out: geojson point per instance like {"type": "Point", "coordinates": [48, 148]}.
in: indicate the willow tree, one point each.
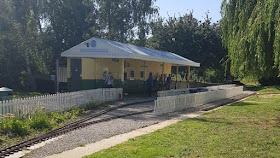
{"type": "Point", "coordinates": [251, 32]}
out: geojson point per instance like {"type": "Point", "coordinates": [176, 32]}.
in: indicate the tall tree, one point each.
{"type": "Point", "coordinates": [11, 61]}
{"type": "Point", "coordinates": [190, 38]}
{"type": "Point", "coordinates": [120, 18]}
{"type": "Point", "coordinates": [251, 32]}
{"type": "Point", "coordinates": [33, 33]}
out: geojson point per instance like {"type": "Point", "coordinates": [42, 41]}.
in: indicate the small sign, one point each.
{"type": "Point", "coordinates": [93, 43]}
{"type": "Point", "coordinates": [115, 60]}
{"type": "Point", "coordinates": [53, 77]}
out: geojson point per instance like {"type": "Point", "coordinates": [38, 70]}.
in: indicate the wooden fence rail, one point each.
{"type": "Point", "coordinates": [180, 102]}
{"type": "Point", "coordinates": [174, 92]}
{"type": "Point", "coordinates": [60, 101]}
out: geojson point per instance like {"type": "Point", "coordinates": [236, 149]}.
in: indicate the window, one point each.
{"type": "Point", "coordinates": [132, 74]}
{"type": "Point", "coordinates": [125, 76]}
{"type": "Point", "coordinates": [142, 75]}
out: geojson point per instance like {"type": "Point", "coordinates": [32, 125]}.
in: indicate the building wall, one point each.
{"type": "Point", "coordinates": [138, 83]}
{"type": "Point", "coordinates": [147, 67]}
{"type": "Point", "coordinates": [94, 72]}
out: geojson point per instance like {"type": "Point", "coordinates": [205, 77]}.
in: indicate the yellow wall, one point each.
{"type": "Point", "coordinates": [149, 66]}
{"type": "Point", "coordinates": [114, 67]}
{"type": "Point", "coordinates": [88, 68]}
{"type": "Point", "coordinates": [93, 68]}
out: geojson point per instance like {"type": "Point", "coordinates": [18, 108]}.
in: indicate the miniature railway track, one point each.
{"type": "Point", "coordinates": [71, 127]}
{"type": "Point", "coordinates": [216, 104]}
{"type": "Point", "coordinates": [86, 122]}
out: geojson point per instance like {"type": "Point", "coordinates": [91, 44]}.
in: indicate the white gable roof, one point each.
{"type": "Point", "coordinates": [100, 48]}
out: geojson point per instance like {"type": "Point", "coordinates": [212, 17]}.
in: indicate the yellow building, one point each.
{"type": "Point", "coordinates": [89, 63]}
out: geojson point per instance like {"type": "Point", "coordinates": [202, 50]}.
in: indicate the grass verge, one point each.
{"type": "Point", "coordinates": [246, 129]}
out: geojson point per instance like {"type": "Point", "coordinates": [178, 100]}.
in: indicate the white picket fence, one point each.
{"type": "Point", "coordinates": [180, 102]}
{"type": "Point", "coordinates": [60, 101]}
{"type": "Point", "coordinates": [173, 92]}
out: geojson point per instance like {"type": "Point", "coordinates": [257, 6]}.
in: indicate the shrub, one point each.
{"type": "Point", "coordinates": [6, 125]}
{"type": "Point", "coordinates": [20, 128]}
{"type": "Point", "coordinates": [40, 121]}
{"type": "Point", "coordinates": [75, 111]}
{"type": "Point", "coordinates": [58, 117]}
{"type": "Point", "coordinates": [91, 105]}
{"type": "Point", "coordinates": [68, 115]}
{"type": "Point", "coordinates": [11, 126]}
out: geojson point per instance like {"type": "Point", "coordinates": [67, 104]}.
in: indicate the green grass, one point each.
{"type": "Point", "coordinates": [267, 89]}
{"type": "Point", "coordinates": [250, 128]}
{"type": "Point", "coordinates": [18, 95]}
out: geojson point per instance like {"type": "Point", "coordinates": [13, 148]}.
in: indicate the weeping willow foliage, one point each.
{"type": "Point", "coordinates": [251, 32]}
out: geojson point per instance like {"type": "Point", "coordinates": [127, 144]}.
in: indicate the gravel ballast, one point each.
{"type": "Point", "coordinates": [100, 131]}
{"type": "Point", "coordinates": [103, 130]}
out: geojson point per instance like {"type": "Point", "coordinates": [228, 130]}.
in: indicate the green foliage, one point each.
{"type": "Point", "coordinates": [18, 94]}
{"type": "Point", "coordinates": [40, 121]}
{"type": "Point", "coordinates": [33, 33]}
{"type": "Point", "coordinates": [20, 127]}
{"type": "Point", "coordinates": [213, 76]}
{"type": "Point", "coordinates": [249, 128]}
{"type": "Point", "coordinates": [58, 117]}
{"type": "Point", "coordinates": [193, 39]}
{"type": "Point", "coordinates": [9, 125]}
{"type": "Point", "coordinates": [91, 105]}
{"type": "Point", "coordinates": [6, 124]}
{"type": "Point", "coordinates": [251, 33]}
{"type": "Point", "coordinates": [119, 19]}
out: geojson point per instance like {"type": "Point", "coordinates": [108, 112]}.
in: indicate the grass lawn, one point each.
{"type": "Point", "coordinates": [250, 128]}
{"type": "Point", "coordinates": [18, 95]}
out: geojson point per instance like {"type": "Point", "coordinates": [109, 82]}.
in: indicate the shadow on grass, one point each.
{"type": "Point", "coordinates": [264, 89]}
{"type": "Point", "coordinates": [243, 104]}
{"type": "Point", "coordinates": [213, 120]}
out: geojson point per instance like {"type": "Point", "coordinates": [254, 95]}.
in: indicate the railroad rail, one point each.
{"type": "Point", "coordinates": [70, 127]}
{"type": "Point", "coordinates": [216, 104]}
{"type": "Point", "coordinates": [86, 122]}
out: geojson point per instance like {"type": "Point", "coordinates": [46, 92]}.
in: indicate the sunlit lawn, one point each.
{"type": "Point", "coordinates": [246, 129]}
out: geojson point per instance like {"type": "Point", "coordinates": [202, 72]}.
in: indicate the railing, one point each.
{"type": "Point", "coordinates": [173, 92]}
{"type": "Point", "coordinates": [60, 101]}
{"type": "Point", "coordinates": [180, 102]}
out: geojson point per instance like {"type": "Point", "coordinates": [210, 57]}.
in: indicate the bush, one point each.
{"type": "Point", "coordinates": [20, 128]}
{"type": "Point", "coordinates": [58, 117]}
{"type": "Point", "coordinates": [11, 126]}
{"type": "Point", "coordinates": [40, 121]}
{"type": "Point", "coordinates": [91, 105]}
{"type": "Point", "coordinates": [68, 115]}
{"type": "Point", "coordinates": [6, 125]}
{"type": "Point", "coordinates": [269, 81]}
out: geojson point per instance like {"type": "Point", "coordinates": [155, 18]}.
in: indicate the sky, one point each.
{"type": "Point", "coordinates": [199, 8]}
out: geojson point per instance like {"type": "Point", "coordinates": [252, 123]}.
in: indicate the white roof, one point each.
{"type": "Point", "coordinates": [100, 48]}
{"type": "Point", "coordinates": [5, 89]}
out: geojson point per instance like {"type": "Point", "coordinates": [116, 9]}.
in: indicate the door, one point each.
{"type": "Point", "coordinates": [76, 69]}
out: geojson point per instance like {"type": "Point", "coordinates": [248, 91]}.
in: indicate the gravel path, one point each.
{"type": "Point", "coordinates": [101, 131]}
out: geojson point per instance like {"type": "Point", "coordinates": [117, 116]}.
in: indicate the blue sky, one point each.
{"type": "Point", "coordinates": [199, 7]}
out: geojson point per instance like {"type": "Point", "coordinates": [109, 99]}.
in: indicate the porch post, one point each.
{"type": "Point", "coordinates": [189, 73]}
{"type": "Point", "coordinates": [176, 76]}
{"type": "Point", "coordinates": [57, 75]}
{"type": "Point", "coordinates": [145, 71]}
{"type": "Point", "coordinates": [122, 70]}
{"type": "Point", "coordinates": [162, 84]}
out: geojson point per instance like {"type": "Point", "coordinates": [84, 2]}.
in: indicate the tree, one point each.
{"type": "Point", "coordinates": [120, 18]}
{"type": "Point", "coordinates": [190, 38]}
{"type": "Point", "coordinates": [251, 32]}
{"type": "Point", "coordinates": [33, 33]}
